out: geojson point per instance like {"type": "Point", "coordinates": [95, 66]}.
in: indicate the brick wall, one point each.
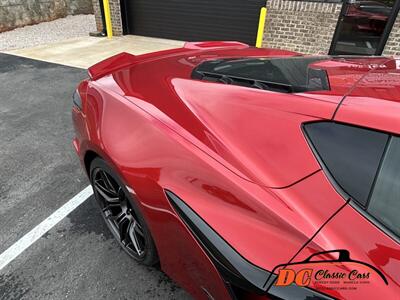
{"type": "Point", "coordinates": [306, 27]}
{"type": "Point", "coordinates": [393, 43]}
{"type": "Point", "coordinates": [97, 15]}
{"type": "Point", "coordinates": [115, 11]}
{"type": "Point", "coordinates": [116, 19]}
{"type": "Point", "coordinates": [18, 13]}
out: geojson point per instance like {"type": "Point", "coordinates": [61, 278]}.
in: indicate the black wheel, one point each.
{"type": "Point", "coordinates": [121, 213]}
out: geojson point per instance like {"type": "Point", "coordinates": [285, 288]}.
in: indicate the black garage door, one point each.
{"type": "Point", "coordinates": [193, 20]}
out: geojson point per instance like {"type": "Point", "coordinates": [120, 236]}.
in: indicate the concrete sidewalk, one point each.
{"type": "Point", "coordinates": [85, 51]}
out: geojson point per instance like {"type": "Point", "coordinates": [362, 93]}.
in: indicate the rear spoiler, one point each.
{"type": "Point", "coordinates": [123, 60]}
{"type": "Point", "coordinates": [110, 65]}
{"type": "Point", "coordinates": [214, 44]}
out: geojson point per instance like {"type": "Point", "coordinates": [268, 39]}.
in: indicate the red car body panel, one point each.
{"type": "Point", "coordinates": [374, 102]}
{"type": "Point", "coordinates": [224, 150]}
{"type": "Point", "coordinates": [376, 249]}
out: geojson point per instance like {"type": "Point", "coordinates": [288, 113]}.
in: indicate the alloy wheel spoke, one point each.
{"type": "Point", "coordinates": [107, 182]}
{"type": "Point", "coordinates": [104, 194]}
{"type": "Point", "coordinates": [111, 205]}
{"type": "Point", "coordinates": [121, 217]}
{"type": "Point", "coordinates": [124, 224]}
{"type": "Point", "coordinates": [138, 229]}
{"type": "Point", "coordinates": [134, 236]}
{"type": "Point", "coordinates": [99, 183]}
{"type": "Point", "coordinates": [121, 195]}
{"type": "Point", "coordinates": [105, 185]}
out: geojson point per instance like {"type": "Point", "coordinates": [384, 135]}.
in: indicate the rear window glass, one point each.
{"type": "Point", "coordinates": [351, 154]}
{"type": "Point", "coordinates": [289, 74]}
{"type": "Point", "coordinates": [384, 204]}
{"type": "Point", "coordinates": [365, 164]}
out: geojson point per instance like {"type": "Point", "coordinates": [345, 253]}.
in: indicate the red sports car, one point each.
{"type": "Point", "coordinates": [231, 165]}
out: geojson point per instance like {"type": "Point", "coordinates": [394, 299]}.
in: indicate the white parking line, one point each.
{"type": "Point", "coordinates": [32, 236]}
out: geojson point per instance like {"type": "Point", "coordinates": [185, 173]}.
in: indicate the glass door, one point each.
{"type": "Point", "coordinates": [364, 27]}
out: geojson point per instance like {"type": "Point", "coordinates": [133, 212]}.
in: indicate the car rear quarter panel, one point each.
{"type": "Point", "coordinates": [146, 152]}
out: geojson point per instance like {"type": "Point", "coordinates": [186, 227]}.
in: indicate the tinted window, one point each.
{"type": "Point", "coordinates": [385, 199]}
{"type": "Point", "coordinates": [351, 154]}
{"type": "Point", "coordinates": [290, 74]}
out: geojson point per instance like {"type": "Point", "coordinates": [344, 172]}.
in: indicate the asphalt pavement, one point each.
{"type": "Point", "coordinates": [39, 172]}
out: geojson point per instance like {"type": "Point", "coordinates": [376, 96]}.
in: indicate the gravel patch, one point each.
{"type": "Point", "coordinates": [47, 32]}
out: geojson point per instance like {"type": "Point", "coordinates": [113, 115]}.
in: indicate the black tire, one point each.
{"type": "Point", "coordinates": [121, 213]}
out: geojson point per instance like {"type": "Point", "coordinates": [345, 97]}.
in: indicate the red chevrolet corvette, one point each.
{"type": "Point", "coordinates": [249, 173]}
